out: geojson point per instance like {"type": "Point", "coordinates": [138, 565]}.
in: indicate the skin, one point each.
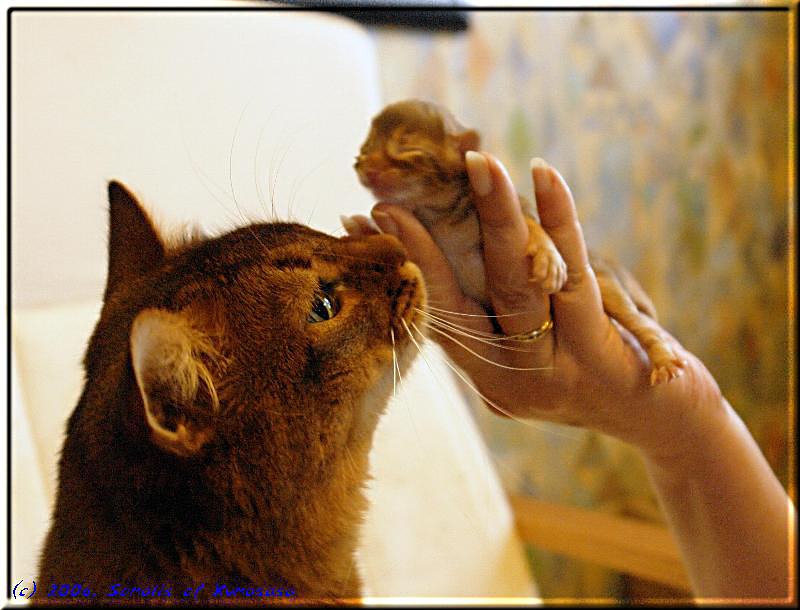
{"type": "Point", "coordinates": [729, 514]}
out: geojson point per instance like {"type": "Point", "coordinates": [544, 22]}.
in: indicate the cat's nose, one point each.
{"type": "Point", "coordinates": [409, 298]}
{"type": "Point", "coordinates": [389, 248]}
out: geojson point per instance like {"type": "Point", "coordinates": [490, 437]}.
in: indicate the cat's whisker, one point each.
{"type": "Point", "coordinates": [445, 318]}
{"type": "Point", "coordinates": [463, 330]}
{"type": "Point", "coordinates": [472, 332]}
{"type": "Point", "coordinates": [399, 375]}
{"type": "Point", "coordinates": [469, 324]}
{"type": "Point", "coordinates": [313, 209]}
{"type": "Point", "coordinates": [431, 301]}
{"type": "Point", "coordinates": [438, 324]}
{"type": "Point", "coordinates": [452, 323]}
{"type": "Point", "coordinates": [259, 193]}
{"type": "Point", "coordinates": [299, 183]}
{"type": "Point", "coordinates": [478, 315]}
{"type": "Point", "coordinates": [206, 180]}
{"type": "Point", "coordinates": [394, 364]}
{"type": "Point", "coordinates": [526, 422]}
{"type": "Point", "coordinates": [271, 183]}
{"type": "Point", "coordinates": [239, 210]}
{"type": "Point", "coordinates": [274, 175]}
{"type": "Point", "coordinates": [488, 338]}
{"type": "Point", "coordinates": [438, 382]}
{"type": "Point", "coordinates": [487, 360]}
{"type": "Point", "coordinates": [290, 141]}
{"type": "Point", "coordinates": [486, 458]}
{"type": "Point", "coordinates": [252, 232]}
{"type": "Point", "coordinates": [411, 336]}
{"type": "Point", "coordinates": [230, 161]}
{"type": "Point", "coordinates": [273, 216]}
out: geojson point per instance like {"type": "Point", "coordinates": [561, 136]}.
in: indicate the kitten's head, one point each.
{"type": "Point", "coordinates": [259, 360]}
{"type": "Point", "coordinates": [414, 155]}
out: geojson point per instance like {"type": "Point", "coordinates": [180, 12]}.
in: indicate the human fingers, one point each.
{"type": "Point", "coordinates": [578, 307]}
{"type": "Point", "coordinates": [505, 233]}
{"type": "Point", "coordinates": [441, 284]}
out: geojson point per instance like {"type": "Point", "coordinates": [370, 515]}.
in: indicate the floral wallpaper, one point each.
{"type": "Point", "coordinates": [671, 129]}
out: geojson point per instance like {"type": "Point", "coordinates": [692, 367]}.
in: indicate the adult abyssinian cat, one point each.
{"type": "Point", "coordinates": [414, 156]}
{"type": "Point", "coordinates": [232, 388]}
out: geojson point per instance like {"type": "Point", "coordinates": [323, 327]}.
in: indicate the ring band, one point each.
{"type": "Point", "coordinates": [535, 334]}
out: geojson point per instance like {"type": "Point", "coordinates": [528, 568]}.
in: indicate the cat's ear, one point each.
{"type": "Point", "coordinates": [134, 245]}
{"type": "Point", "coordinates": [169, 357]}
{"type": "Point", "coordinates": [469, 139]}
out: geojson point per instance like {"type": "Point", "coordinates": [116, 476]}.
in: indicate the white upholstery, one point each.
{"type": "Point", "coordinates": [186, 108]}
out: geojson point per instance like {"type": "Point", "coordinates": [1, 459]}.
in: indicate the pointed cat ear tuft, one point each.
{"type": "Point", "coordinates": [176, 387]}
{"type": "Point", "coordinates": [468, 140]}
{"type": "Point", "coordinates": [134, 245]}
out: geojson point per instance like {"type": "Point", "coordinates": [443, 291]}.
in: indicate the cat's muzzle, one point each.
{"type": "Point", "coordinates": [409, 299]}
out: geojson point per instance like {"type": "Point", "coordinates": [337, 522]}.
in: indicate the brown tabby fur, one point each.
{"type": "Point", "coordinates": [220, 436]}
{"type": "Point", "coordinates": [414, 157]}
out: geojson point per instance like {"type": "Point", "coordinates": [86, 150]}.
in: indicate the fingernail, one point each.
{"type": "Point", "coordinates": [385, 222]}
{"type": "Point", "coordinates": [349, 225]}
{"type": "Point", "coordinates": [542, 184]}
{"type": "Point", "coordinates": [478, 171]}
{"type": "Point", "coordinates": [362, 221]}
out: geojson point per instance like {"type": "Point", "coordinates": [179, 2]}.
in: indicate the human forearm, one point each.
{"type": "Point", "coordinates": [730, 516]}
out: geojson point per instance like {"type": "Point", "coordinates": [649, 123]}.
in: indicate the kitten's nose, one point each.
{"type": "Point", "coordinates": [373, 176]}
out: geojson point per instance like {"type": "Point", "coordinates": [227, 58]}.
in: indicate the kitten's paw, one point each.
{"type": "Point", "coordinates": [548, 269]}
{"type": "Point", "coordinates": [667, 365]}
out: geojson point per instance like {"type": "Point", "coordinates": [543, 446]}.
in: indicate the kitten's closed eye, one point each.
{"type": "Point", "coordinates": [405, 149]}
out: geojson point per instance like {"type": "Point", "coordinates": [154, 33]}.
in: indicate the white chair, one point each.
{"type": "Point", "coordinates": [190, 109]}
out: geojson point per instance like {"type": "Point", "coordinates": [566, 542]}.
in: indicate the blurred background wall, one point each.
{"type": "Point", "coordinates": [671, 129]}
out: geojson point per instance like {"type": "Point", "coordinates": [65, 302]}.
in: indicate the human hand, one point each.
{"type": "Point", "coordinates": [588, 371]}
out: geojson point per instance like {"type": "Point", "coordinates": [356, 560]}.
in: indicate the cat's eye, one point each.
{"type": "Point", "coordinates": [324, 307]}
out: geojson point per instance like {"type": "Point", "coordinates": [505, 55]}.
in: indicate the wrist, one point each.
{"type": "Point", "coordinates": [693, 439]}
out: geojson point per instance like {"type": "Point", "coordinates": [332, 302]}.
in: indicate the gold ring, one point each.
{"type": "Point", "coordinates": [535, 334]}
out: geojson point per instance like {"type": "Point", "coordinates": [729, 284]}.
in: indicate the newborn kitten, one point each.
{"type": "Point", "coordinates": [233, 386]}
{"type": "Point", "coordinates": [414, 157]}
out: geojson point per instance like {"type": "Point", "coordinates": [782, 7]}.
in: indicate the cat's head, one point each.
{"type": "Point", "coordinates": [414, 154]}
{"type": "Point", "coordinates": [263, 355]}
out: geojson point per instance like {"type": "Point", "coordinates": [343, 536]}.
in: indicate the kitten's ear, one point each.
{"type": "Point", "coordinates": [134, 245]}
{"type": "Point", "coordinates": [169, 358]}
{"type": "Point", "coordinates": [468, 139]}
